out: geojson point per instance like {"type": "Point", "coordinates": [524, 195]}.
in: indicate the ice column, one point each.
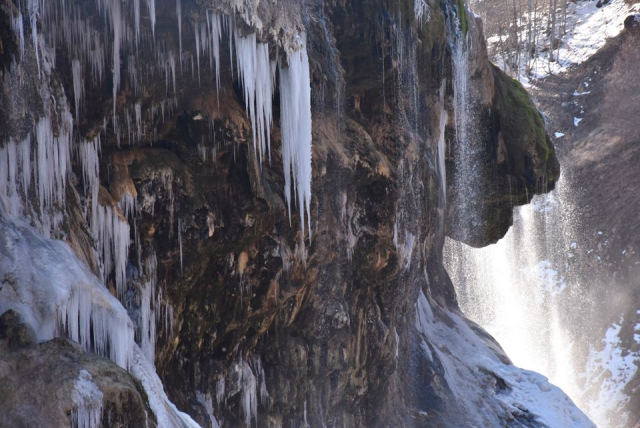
{"type": "Point", "coordinates": [295, 112]}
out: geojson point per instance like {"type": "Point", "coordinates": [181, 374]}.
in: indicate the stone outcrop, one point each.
{"type": "Point", "coordinates": [513, 159]}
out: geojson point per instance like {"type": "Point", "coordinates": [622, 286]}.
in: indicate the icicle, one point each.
{"type": "Point", "coordinates": [295, 117]}
{"type": "Point", "coordinates": [128, 204]}
{"type": "Point", "coordinates": [197, 34]}
{"type": "Point", "coordinates": [78, 86]}
{"type": "Point", "coordinates": [52, 163]}
{"type": "Point", "coordinates": [33, 15]}
{"type": "Point", "coordinates": [109, 228]}
{"type": "Point", "coordinates": [152, 16]}
{"type": "Point", "coordinates": [229, 20]}
{"type": "Point", "coordinates": [264, 394]}
{"type": "Point", "coordinates": [220, 388]}
{"type": "Point", "coordinates": [216, 33]}
{"type": "Point", "coordinates": [249, 393]}
{"type": "Point", "coordinates": [136, 17]}
{"type": "Point", "coordinates": [88, 151]}
{"type": "Point", "coordinates": [138, 110]}
{"type": "Point", "coordinates": [87, 402]}
{"type": "Point", "coordinates": [17, 25]}
{"type": "Point", "coordinates": [179, 15]}
{"type": "Point", "coordinates": [180, 240]}
{"type": "Point", "coordinates": [9, 178]}
{"type": "Point", "coordinates": [133, 72]}
{"type": "Point", "coordinates": [25, 156]}
{"type": "Point", "coordinates": [112, 233]}
{"type": "Point", "coordinates": [148, 315]}
{"type": "Point", "coordinates": [116, 22]}
{"type": "Point", "coordinates": [444, 117]}
{"type": "Point", "coordinates": [254, 70]}
{"type": "Point", "coordinates": [172, 67]}
{"type": "Point", "coordinates": [53, 160]}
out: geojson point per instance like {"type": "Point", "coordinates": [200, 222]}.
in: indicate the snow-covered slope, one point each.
{"type": "Point", "coordinates": [480, 380]}
{"type": "Point", "coordinates": [588, 27]}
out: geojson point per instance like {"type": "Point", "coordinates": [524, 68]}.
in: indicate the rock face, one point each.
{"type": "Point", "coordinates": [39, 383]}
{"type": "Point", "coordinates": [259, 321]}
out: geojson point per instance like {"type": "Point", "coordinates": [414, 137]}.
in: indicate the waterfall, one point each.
{"type": "Point", "coordinates": [531, 291]}
{"type": "Point", "coordinates": [528, 292]}
{"type": "Point", "coordinates": [516, 289]}
{"type": "Point", "coordinates": [467, 169]}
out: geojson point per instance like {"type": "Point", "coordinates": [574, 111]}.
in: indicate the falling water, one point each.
{"type": "Point", "coordinates": [466, 150]}
{"type": "Point", "coordinates": [531, 293]}
{"type": "Point", "coordinates": [529, 290]}
{"type": "Point", "coordinates": [515, 289]}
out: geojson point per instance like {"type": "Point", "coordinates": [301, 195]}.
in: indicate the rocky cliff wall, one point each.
{"type": "Point", "coordinates": [252, 313]}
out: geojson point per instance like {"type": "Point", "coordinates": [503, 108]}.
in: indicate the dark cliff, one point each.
{"type": "Point", "coordinates": [332, 328]}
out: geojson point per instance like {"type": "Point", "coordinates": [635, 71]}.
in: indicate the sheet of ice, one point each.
{"type": "Point", "coordinates": [58, 295]}
{"type": "Point", "coordinates": [471, 367]}
{"type": "Point", "coordinates": [206, 402]}
{"type": "Point", "coordinates": [166, 412]}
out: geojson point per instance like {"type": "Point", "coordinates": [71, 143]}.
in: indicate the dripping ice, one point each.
{"type": "Point", "coordinates": [295, 123]}
{"type": "Point", "coordinates": [87, 402]}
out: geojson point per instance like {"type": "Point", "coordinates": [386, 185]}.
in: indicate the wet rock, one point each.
{"type": "Point", "coordinates": [14, 331]}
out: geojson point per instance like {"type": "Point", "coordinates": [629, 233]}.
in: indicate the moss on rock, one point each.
{"type": "Point", "coordinates": [522, 129]}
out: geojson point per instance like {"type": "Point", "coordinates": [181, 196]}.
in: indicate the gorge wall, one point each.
{"type": "Point", "coordinates": [263, 191]}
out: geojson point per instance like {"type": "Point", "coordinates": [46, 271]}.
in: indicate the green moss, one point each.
{"type": "Point", "coordinates": [523, 117]}
{"type": "Point", "coordinates": [462, 17]}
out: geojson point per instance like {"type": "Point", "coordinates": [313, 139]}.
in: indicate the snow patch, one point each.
{"type": "Point", "coordinates": [607, 373]}
{"type": "Point", "coordinates": [470, 367]}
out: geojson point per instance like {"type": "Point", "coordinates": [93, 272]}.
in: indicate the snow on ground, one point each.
{"type": "Point", "coordinates": [588, 29]}
{"type": "Point", "coordinates": [472, 370]}
{"type": "Point", "coordinates": [607, 373]}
